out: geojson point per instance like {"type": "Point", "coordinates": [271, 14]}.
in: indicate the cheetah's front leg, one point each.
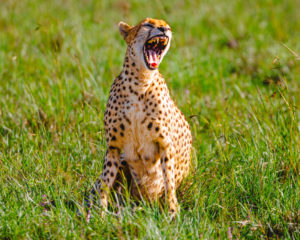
{"type": "Point", "coordinates": [168, 164]}
{"type": "Point", "coordinates": [108, 176]}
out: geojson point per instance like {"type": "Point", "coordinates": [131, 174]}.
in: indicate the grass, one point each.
{"type": "Point", "coordinates": [228, 71]}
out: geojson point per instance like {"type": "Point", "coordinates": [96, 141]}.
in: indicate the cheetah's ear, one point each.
{"type": "Point", "coordinates": [124, 29]}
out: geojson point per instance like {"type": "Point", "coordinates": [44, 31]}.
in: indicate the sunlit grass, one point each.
{"type": "Point", "coordinates": [232, 69]}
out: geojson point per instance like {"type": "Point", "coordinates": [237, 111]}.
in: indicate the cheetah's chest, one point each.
{"type": "Point", "coordinates": [140, 151]}
{"type": "Point", "coordinates": [138, 144]}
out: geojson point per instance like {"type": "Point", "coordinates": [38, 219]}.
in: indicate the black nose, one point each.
{"type": "Point", "coordinates": [163, 29]}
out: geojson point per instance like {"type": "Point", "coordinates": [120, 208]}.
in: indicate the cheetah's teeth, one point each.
{"type": "Point", "coordinates": [153, 50]}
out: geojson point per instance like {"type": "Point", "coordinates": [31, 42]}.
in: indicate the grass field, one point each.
{"type": "Point", "coordinates": [232, 69]}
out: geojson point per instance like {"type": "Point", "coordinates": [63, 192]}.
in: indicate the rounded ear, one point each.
{"type": "Point", "coordinates": [124, 28]}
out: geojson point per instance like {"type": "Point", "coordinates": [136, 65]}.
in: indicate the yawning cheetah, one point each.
{"type": "Point", "coordinates": [144, 129]}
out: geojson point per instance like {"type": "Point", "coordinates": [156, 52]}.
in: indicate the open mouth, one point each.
{"type": "Point", "coordinates": [153, 50]}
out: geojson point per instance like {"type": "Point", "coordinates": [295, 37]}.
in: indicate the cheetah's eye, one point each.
{"type": "Point", "coordinates": [148, 25]}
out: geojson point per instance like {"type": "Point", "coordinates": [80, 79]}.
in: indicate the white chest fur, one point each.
{"type": "Point", "coordinates": [139, 148]}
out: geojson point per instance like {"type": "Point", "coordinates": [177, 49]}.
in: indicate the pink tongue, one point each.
{"type": "Point", "coordinates": [153, 59]}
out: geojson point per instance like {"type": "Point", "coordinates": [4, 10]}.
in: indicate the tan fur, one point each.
{"type": "Point", "coordinates": [143, 126]}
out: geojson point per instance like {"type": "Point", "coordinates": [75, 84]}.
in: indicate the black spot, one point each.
{"type": "Point", "coordinates": [126, 72]}
{"type": "Point", "coordinates": [113, 138]}
{"type": "Point", "coordinates": [133, 64]}
{"type": "Point", "coordinates": [149, 125]}
{"type": "Point", "coordinates": [111, 174]}
{"type": "Point", "coordinates": [121, 134]}
{"type": "Point", "coordinates": [109, 163]}
{"type": "Point", "coordinates": [112, 147]}
{"type": "Point", "coordinates": [166, 159]}
{"type": "Point", "coordinates": [143, 121]}
{"type": "Point", "coordinates": [122, 126]}
{"type": "Point", "coordinates": [115, 130]}
{"type": "Point", "coordinates": [127, 120]}
{"type": "Point", "coordinates": [157, 129]}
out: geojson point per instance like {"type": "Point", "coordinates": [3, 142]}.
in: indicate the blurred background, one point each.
{"type": "Point", "coordinates": [55, 51]}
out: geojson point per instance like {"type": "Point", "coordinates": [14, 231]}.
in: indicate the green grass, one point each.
{"type": "Point", "coordinates": [228, 71]}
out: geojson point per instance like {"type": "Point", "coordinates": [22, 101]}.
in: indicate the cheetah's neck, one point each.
{"type": "Point", "coordinates": [139, 76]}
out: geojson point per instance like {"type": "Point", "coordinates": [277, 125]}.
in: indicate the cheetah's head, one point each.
{"type": "Point", "coordinates": [148, 42]}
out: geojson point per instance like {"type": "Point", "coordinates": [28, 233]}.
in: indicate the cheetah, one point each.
{"type": "Point", "coordinates": [144, 129]}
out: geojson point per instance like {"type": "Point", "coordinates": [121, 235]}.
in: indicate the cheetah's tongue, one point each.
{"type": "Point", "coordinates": [153, 59]}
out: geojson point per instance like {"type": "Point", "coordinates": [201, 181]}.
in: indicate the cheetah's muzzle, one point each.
{"type": "Point", "coordinates": [153, 49]}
